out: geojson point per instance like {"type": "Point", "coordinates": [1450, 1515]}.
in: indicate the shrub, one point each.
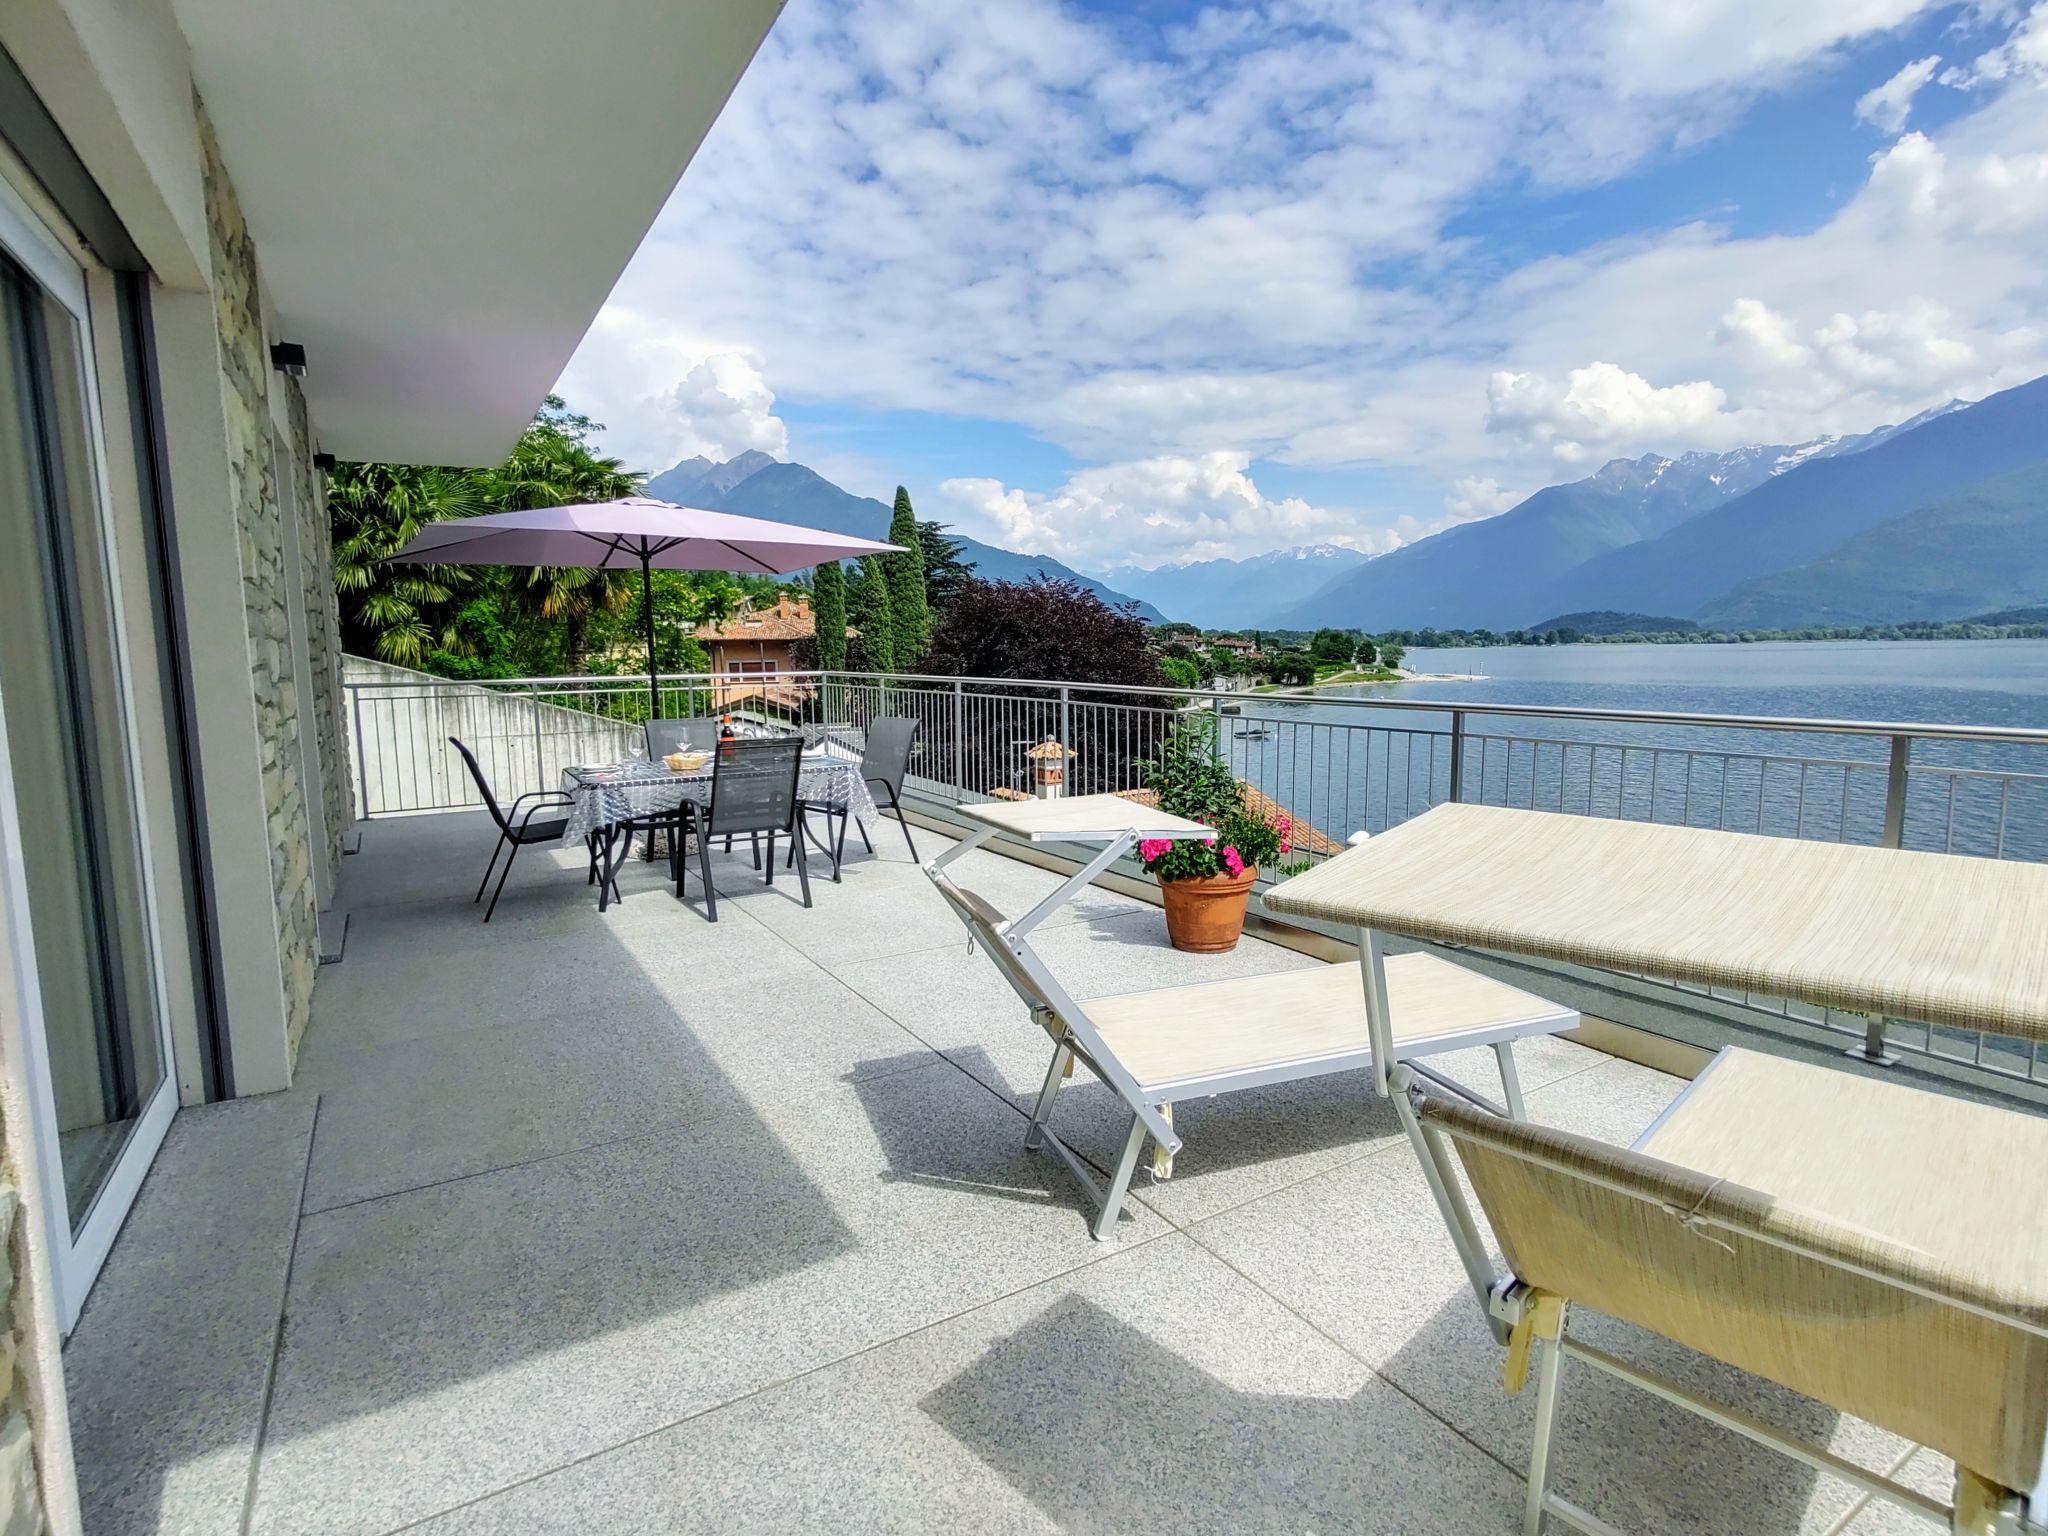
{"type": "Point", "coordinates": [1192, 780]}
{"type": "Point", "coordinates": [1052, 629]}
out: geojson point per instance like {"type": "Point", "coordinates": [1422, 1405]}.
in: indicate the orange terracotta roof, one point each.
{"type": "Point", "coordinates": [785, 621]}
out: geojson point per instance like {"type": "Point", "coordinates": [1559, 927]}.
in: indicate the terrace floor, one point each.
{"type": "Point", "coordinates": [637, 1223]}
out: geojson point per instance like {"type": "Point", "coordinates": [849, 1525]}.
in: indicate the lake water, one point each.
{"type": "Point", "coordinates": [1343, 766]}
{"type": "Point", "coordinates": [1972, 682]}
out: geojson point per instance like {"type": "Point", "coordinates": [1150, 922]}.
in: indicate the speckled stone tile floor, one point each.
{"type": "Point", "coordinates": [634, 1222]}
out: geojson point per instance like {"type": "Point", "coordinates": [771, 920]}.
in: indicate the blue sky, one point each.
{"type": "Point", "coordinates": [1162, 281]}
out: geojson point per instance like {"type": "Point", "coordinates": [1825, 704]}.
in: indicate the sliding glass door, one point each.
{"type": "Point", "coordinates": [74, 879]}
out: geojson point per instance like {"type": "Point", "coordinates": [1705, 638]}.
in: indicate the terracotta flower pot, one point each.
{"type": "Point", "coordinates": [1205, 915]}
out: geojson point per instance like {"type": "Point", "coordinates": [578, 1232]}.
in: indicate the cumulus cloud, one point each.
{"type": "Point", "coordinates": [723, 407]}
{"type": "Point", "coordinates": [1984, 195]}
{"type": "Point", "coordinates": [1164, 508]}
{"type": "Point", "coordinates": [1909, 349]}
{"type": "Point", "coordinates": [1918, 352]}
{"type": "Point", "coordinates": [665, 392]}
{"type": "Point", "coordinates": [1763, 337]}
{"type": "Point", "coordinates": [1475, 496]}
{"type": "Point", "coordinates": [1602, 406]}
{"type": "Point", "coordinates": [1886, 107]}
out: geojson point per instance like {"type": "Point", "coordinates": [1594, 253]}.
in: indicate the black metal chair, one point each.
{"type": "Point", "coordinates": [753, 790]}
{"type": "Point", "coordinates": [884, 764]}
{"type": "Point", "coordinates": [688, 733]}
{"type": "Point", "coordinates": [527, 831]}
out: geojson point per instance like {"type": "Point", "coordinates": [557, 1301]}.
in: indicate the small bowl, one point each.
{"type": "Point", "coordinates": [685, 762]}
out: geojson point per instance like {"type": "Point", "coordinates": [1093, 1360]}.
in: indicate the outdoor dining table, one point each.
{"type": "Point", "coordinates": [610, 801]}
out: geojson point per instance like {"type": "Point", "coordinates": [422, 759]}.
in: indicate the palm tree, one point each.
{"type": "Point", "coordinates": [398, 612]}
{"type": "Point", "coordinates": [554, 466]}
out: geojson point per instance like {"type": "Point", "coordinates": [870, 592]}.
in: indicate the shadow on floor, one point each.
{"type": "Point", "coordinates": [1627, 1457]}
{"type": "Point", "coordinates": [1106, 1430]}
{"type": "Point", "coordinates": [999, 1169]}
{"type": "Point", "coordinates": [414, 1294]}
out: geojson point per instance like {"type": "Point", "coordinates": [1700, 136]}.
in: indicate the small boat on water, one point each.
{"type": "Point", "coordinates": [1255, 733]}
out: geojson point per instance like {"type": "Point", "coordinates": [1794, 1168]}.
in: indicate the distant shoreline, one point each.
{"type": "Point", "coordinates": [1482, 640]}
{"type": "Point", "coordinates": [1362, 678]}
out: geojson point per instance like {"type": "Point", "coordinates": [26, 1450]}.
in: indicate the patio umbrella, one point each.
{"type": "Point", "coordinates": [637, 530]}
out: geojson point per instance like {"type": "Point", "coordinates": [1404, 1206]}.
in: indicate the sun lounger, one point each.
{"type": "Point", "coordinates": [1875, 1246]}
{"type": "Point", "coordinates": [1153, 1049]}
{"type": "Point", "coordinates": [1880, 1249]}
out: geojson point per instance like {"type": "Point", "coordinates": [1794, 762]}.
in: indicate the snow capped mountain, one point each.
{"type": "Point", "coordinates": [1482, 574]}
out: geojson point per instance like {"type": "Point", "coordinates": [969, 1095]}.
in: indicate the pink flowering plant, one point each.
{"type": "Point", "coordinates": [1191, 779]}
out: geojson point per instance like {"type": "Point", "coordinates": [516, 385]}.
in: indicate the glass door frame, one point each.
{"type": "Point", "coordinates": [76, 1256]}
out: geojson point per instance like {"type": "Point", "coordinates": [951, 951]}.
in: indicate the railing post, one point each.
{"type": "Point", "coordinates": [1874, 1048]}
{"type": "Point", "coordinates": [1066, 724]}
{"type": "Point", "coordinates": [1457, 753]}
{"type": "Point", "coordinates": [362, 757]}
{"type": "Point", "coordinates": [1895, 792]}
{"type": "Point", "coordinates": [960, 736]}
{"type": "Point", "coordinates": [539, 769]}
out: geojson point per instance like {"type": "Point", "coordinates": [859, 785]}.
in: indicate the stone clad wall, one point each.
{"type": "Point", "coordinates": [323, 634]}
{"type": "Point", "coordinates": [21, 1504]}
{"type": "Point", "coordinates": [246, 378]}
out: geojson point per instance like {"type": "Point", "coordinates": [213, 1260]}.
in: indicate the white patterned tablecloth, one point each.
{"type": "Point", "coordinates": [612, 794]}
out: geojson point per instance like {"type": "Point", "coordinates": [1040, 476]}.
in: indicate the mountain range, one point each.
{"type": "Point", "coordinates": [756, 485]}
{"type": "Point", "coordinates": [1238, 593]}
{"type": "Point", "coordinates": [1944, 516]}
{"type": "Point", "coordinates": [1646, 535]}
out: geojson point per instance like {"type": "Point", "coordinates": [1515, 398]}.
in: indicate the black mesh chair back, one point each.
{"type": "Point", "coordinates": [696, 733]}
{"type": "Point", "coordinates": [512, 837]}
{"type": "Point", "coordinates": [483, 785]}
{"type": "Point", "coordinates": [887, 757]}
{"type": "Point", "coordinates": [753, 784]}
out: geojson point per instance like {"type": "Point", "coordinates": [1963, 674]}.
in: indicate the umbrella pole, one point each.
{"type": "Point", "coordinates": [647, 609]}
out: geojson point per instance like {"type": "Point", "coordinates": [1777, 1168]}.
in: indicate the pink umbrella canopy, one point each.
{"type": "Point", "coordinates": [634, 531]}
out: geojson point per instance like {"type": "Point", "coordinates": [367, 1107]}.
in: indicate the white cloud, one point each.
{"type": "Point", "coordinates": [1150, 510]}
{"type": "Point", "coordinates": [1908, 349]}
{"type": "Point", "coordinates": [1269, 228]}
{"type": "Point", "coordinates": [1886, 107]}
{"type": "Point", "coordinates": [1668, 46]}
{"type": "Point", "coordinates": [2023, 54]}
{"type": "Point", "coordinates": [1917, 351]}
{"type": "Point", "coordinates": [723, 407]}
{"type": "Point", "coordinates": [666, 393]}
{"type": "Point", "coordinates": [1987, 195]}
{"type": "Point", "coordinates": [1602, 406]}
{"type": "Point", "coordinates": [1475, 496]}
{"type": "Point", "coordinates": [1763, 337]}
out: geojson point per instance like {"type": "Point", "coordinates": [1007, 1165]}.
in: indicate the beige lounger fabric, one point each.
{"type": "Point", "coordinates": [1931, 937]}
{"type": "Point", "coordinates": [1081, 816]}
{"type": "Point", "coordinates": [1947, 1196]}
{"type": "Point", "coordinates": [1173, 1034]}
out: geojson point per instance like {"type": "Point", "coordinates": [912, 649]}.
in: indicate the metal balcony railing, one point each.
{"type": "Point", "coordinates": [1335, 764]}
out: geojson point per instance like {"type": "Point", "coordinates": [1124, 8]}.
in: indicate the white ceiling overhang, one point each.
{"type": "Point", "coordinates": [442, 194]}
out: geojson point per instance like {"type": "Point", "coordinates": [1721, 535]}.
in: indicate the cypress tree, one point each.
{"type": "Point", "coordinates": [906, 585]}
{"type": "Point", "coordinates": [874, 615]}
{"type": "Point", "coordinates": [828, 591]}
